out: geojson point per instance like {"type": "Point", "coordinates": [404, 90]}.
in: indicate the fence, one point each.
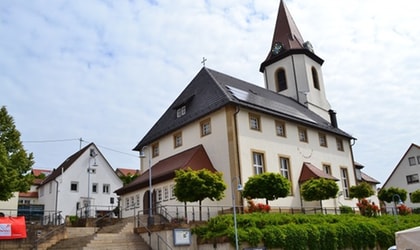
{"type": "Point", "coordinates": [36, 216]}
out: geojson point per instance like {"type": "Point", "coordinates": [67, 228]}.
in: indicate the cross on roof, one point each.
{"type": "Point", "coordinates": [204, 61]}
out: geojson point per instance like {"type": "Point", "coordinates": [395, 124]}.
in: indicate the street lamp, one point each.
{"type": "Point", "coordinates": [239, 188]}
{"type": "Point", "coordinates": [150, 220]}
{"type": "Point", "coordinates": [92, 155]}
{"type": "Point", "coordinates": [395, 205]}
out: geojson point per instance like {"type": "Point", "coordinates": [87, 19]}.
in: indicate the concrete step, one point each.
{"type": "Point", "coordinates": [72, 243]}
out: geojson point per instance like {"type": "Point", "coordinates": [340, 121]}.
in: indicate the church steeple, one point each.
{"type": "Point", "coordinates": [292, 68]}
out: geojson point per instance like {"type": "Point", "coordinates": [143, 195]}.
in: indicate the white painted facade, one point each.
{"type": "Point", "coordinates": [406, 175]}
{"type": "Point", "coordinates": [72, 188]}
{"type": "Point", "coordinates": [9, 207]}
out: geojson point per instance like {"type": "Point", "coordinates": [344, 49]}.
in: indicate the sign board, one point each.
{"type": "Point", "coordinates": [12, 228]}
{"type": "Point", "coordinates": [182, 236]}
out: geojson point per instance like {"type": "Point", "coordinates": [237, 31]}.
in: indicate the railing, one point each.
{"type": "Point", "coordinates": [47, 236]}
{"type": "Point", "coordinates": [149, 232]}
{"type": "Point", "coordinates": [92, 211]}
{"type": "Point", "coordinates": [43, 217]}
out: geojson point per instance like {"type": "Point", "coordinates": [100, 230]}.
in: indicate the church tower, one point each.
{"type": "Point", "coordinates": [293, 69]}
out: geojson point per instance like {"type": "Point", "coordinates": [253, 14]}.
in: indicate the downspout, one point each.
{"type": "Point", "coordinates": [56, 201]}
{"type": "Point", "coordinates": [235, 120]}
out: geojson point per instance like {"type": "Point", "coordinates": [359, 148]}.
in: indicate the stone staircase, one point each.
{"type": "Point", "coordinates": [114, 237]}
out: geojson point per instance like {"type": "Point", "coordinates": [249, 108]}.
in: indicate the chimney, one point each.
{"type": "Point", "coordinates": [333, 118]}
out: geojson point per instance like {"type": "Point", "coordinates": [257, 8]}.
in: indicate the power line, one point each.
{"type": "Point", "coordinates": [80, 140]}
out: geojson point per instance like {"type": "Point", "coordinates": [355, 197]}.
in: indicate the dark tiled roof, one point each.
{"type": "Point", "coordinates": [195, 158]}
{"type": "Point", "coordinates": [369, 179]}
{"type": "Point", "coordinates": [309, 171]}
{"type": "Point", "coordinates": [211, 90]}
{"type": "Point", "coordinates": [65, 165]}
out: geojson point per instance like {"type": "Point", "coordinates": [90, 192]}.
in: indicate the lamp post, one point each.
{"type": "Point", "coordinates": [395, 205]}
{"type": "Point", "coordinates": [239, 188]}
{"type": "Point", "coordinates": [150, 220]}
{"type": "Point", "coordinates": [92, 155]}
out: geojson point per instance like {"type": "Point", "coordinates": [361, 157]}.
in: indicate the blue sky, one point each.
{"type": "Point", "coordinates": [105, 71]}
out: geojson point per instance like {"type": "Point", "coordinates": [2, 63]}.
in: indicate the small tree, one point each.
{"type": "Point", "coordinates": [389, 195]}
{"type": "Point", "coordinates": [319, 189]}
{"type": "Point", "coordinates": [128, 178]}
{"type": "Point", "coordinates": [269, 186]}
{"type": "Point", "coordinates": [197, 185]}
{"type": "Point", "coordinates": [361, 191]}
{"type": "Point", "coordinates": [15, 163]}
{"type": "Point", "coordinates": [415, 196]}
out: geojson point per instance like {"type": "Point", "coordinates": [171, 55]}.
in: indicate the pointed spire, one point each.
{"type": "Point", "coordinates": [287, 38]}
{"type": "Point", "coordinates": [286, 32]}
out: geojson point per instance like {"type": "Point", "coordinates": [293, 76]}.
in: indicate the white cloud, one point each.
{"type": "Point", "coordinates": [105, 71]}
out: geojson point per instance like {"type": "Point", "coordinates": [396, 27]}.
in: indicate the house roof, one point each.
{"type": "Point", "coordinates": [36, 172]}
{"type": "Point", "coordinates": [309, 171]}
{"type": "Point", "coordinates": [211, 90]}
{"type": "Point", "coordinates": [66, 164]}
{"type": "Point", "coordinates": [28, 194]}
{"type": "Point", "coordinates": [288, 36]}
{"type": "Point", "coordinates": [369, 179]}
{"type": "Point", "coordinates": [399, 163]}
{"type": "Point", "coordinates": [195, 158]}
{"type": "Point", "coordinates": [127, 171]}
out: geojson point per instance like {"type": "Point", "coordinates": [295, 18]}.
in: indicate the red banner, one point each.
{"type": "Point", "coordinates": [12, 228]}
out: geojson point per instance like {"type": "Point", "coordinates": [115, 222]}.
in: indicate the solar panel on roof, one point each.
{"type": "Point", "coordinates": [267, 103]}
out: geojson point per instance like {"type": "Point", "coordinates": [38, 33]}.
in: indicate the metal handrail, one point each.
{"type": "Point", "coordinates": [140, 223]}
{"type": "Point", "coordinates": [47, 235]}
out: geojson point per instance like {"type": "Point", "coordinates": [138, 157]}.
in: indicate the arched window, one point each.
{"type": "Point", "coordinates": [315, 78]}
{"type": "Point", "coordinates": [281, 80]}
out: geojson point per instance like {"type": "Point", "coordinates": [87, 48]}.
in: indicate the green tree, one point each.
{"type": "Point", "coordinates": [197, 185]}
{"type": "Point", "coordinates": [319, 189]}
{"type": "Point", "coordinates": [415, 196]}
{"type": "Point", "coordinates": [391, 194]}
{"type": "Point", "coordinates": [128, 178]}
{"type": "Point", "coordinates": [361, 191]}
{"type": "Point", "coordinates": [268, 186]}
{"type": "Point", "coordinates": [15, 163]}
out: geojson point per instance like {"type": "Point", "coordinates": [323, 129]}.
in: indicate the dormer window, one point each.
{"type": "Point", "coordinates": [181, 111]}
{"type": "Point", "coordinates": [281, 80]}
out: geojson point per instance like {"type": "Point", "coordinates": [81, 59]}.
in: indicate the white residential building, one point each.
{"type": "Point", "coordinates": [406, 175]}
{"type": "Point", "coordinates": [83, 184]}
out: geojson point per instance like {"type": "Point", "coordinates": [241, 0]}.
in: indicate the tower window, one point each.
{"type": "Point", "coordinates": [315, 78]}
{"type": "Point", "coordinates": [281, 80]}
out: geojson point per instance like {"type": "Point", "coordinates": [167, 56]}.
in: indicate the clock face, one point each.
{"type": "Point", "coordinates": [277, 48]}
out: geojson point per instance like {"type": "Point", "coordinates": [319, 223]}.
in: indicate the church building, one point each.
{"type": "Point", "coordinates": [235, 127]}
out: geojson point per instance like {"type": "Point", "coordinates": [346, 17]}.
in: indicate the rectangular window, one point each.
{"type": "Point", "coordinates": [413, 178]}
{"type": "Point", "coordinates": [137, 200]}
{"type": "Point", "coordinates": [322, 140]}
{"type": "Point", "coordinates": [285, 170]}
{"type": "Point", "coordinates": [106, 188]}
{"type": "Point", "coordinates": [159, 194]}
{"type": "Point", "coordinates": [345, 182]}
{"type": "Point", "coordinates": [205, 127]}
{"type": "Point", "coordinates": [94, 187]}
{"type": "Point", "coordinates": [165, 193]}
{"type": "Point", "coordinates": [327, 169]}
{"type": "Point", "coordinates": [74, 186]}
{"type": "Point", "coordinates": [181, 111]}
{"type": "Point", "coordinates": [155, 149]}
{"type": "Point", "coordinates": [127, 203]}
{"type": "Point", "coordinates": [258, 163]}
{"type": "Point", "coordinates": [411, 161]}
{"type": "Point", "coordinates": [280, 128]}
{"type": "Point", "coordinates": [132, 201]}
{"type": "Point", "coordinates": [254, 122]}
{"type": "Point", "coordinates": [172, 188]}
{"type": "Point", "coordinates": [340, 146]}
{"type": "Point", "coordinates": [418, 159]}
{"type": "Point", "coordinates": [178, 140]}
{"type": "Point", "coordinates": [303, 135]}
